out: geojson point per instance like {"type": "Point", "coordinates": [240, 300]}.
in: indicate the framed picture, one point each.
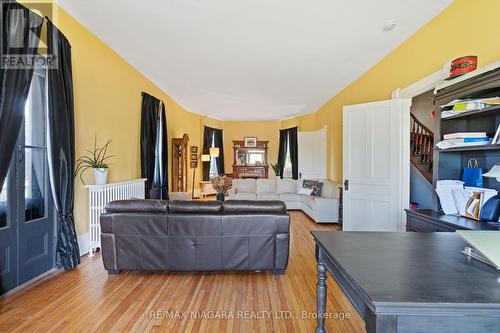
{"type": "Point", "coordinates": [194, 164]}
{"type": "Point", "coordinates": [250, 142]}
{"type": "Point", "coordinates": [194, 157]}
{"type": "Point", "coordinates": [193, 149]}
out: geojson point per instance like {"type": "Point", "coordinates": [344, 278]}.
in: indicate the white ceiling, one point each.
{"type": "Point", "coordinates": [252, 59]}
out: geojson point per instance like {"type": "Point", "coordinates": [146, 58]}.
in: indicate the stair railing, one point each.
{"type": "Point", "coordinates": [421, 142]}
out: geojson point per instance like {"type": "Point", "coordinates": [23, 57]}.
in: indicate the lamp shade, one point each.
{"type": "Point", "coordinates": [494, 172]}
{"type": "Point", "coordinates": [214, 152]}
{"type": "Point", "coordinates": [205, 158]}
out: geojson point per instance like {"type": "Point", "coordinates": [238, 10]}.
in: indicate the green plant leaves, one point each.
{"type": "Point", "coordinates": [96, 158]}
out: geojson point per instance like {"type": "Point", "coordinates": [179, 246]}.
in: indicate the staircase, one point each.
{"type": "Point", "coordinates": [421, 147]}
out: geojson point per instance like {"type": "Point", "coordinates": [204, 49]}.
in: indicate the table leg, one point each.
{"type": "Point", "coordinates": [321, 298]}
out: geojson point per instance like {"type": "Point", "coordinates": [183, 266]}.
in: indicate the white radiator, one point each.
{"type": "Point", "coordinates": [100, 195]}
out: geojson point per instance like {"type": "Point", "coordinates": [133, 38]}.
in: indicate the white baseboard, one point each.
{"type": "Point", "coordinates": [83, 243]}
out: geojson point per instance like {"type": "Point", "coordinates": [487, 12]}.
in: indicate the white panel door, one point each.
{"type": "Point", "coordinates": [376, 163]}
{"type": "Point", "coordinates": [312, 154]}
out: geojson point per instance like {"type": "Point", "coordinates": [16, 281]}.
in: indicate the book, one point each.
{"type": "Point", "coordinates": [476, 102]}
{"type": "Point", "coordinates": [463, 135]}
{"type": "Point", "coordinates": [468, 106]}
{"type": "Point", "coordinates": [475, 139]}
{"type": "Point", "coordinates": [454, 143]}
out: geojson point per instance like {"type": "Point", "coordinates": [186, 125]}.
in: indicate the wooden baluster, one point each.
{"type": "Point", "coordinates": [421, 142]}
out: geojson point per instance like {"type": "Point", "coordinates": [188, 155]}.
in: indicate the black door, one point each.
{"type": "Point", "coordinates": [27, 236]}
{"type": "Point", "coordinates": [8, 234]}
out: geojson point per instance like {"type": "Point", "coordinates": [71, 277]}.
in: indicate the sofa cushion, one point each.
{"type": "Point", "coordinates": [286, 186]}
{"type": "Point", "coordinates": [266, 185]}
{"type": "Point", "coordinates": [245, 196]}
{"type": "Point", "coordinates": [245, 185]}
{"type": "Point", "coordinates": [308, 201]}
{"type": "Point", "coordinates": [253, 207]}
{"type": "Point", "coordinates": [330, 189]}
{"type": "Point", "coordinates": [305, 191]}
{"type": "Point", "coordinates": [267, 196]}
{"type": "Point", "coordinates": [315, 185]}
{"type": "Point", "coordinates": [289, 197]}
{"type": "Point", "coordinates": [195, 207]}
{"type": "Point", "coordinates": [137, 206]}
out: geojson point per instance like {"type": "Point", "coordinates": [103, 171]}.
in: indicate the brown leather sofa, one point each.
{"type": "Point", "coordinates": [155, 235]}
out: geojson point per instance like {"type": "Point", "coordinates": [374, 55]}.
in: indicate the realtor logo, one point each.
{"type": "Point", "coordinates": [22, 47]}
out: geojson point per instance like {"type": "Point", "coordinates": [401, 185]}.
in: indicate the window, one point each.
{"type": "Point", "coordinates": [3, 204]}
{"type": "Point", "coordinates": [213, 161]}
{"type": "Point", "coordinates": [287, 171]}
{"type": "Point", "coordinates": [31, 156]}
{"type": "Point", "coordinates": [35, 150]}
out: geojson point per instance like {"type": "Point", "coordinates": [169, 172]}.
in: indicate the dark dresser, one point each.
{"type": "Point", "coordinates": [428, 220]}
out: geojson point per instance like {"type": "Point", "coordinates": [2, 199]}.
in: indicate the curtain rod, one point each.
{"type": "Point", "coordinates": [146, 94]}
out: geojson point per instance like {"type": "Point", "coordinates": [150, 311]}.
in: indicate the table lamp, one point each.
{"type": "Point", "coordinates": [214, 152]}
{"type": "Point", "coordinates": [494, 172]}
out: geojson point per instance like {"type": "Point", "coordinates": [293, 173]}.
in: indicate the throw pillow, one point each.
{"type": "Point", "coordinates": [305, 191]}
{"type": "Point", "coordinates": [317, 187]}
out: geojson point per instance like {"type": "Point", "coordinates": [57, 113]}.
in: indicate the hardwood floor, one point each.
{"type": "Point", "coordinates": [89, 300]}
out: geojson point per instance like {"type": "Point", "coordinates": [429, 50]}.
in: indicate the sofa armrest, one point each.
{"type": "Point", "coordinates": [327, 209]}
{"type": "Point", "coordinates": [108, 246]}
{"type": "Point", "coordinates": [281, 251]}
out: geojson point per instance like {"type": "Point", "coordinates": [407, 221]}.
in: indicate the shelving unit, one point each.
{"type": "Point", "coordinates": [449, 163]}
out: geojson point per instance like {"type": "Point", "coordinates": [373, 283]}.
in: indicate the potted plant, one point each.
{"type": "Point", "coordinates": [96, 160]}
{"type": "Point", "coordinates": [222, 184]}
{"type": "Point", "coordinates": [277, 169]}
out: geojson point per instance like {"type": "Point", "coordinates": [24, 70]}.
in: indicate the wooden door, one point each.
{"type": "Point", "coordinates": [376, 165]}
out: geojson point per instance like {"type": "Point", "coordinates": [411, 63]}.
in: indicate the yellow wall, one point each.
{"type": "Point", "coordinates": [466, 27]}
{"type": "Point", "coordinates": [107, 104]}
{"type": "Point", "coordinates": [263, 130]}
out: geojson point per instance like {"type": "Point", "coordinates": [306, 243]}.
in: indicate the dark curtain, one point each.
{"type": "Point", "coordinates": [61, 145]}
{"type": "Point", "coordinates": [294, 151]}
{"type": "Point", "coordinates": [217, 135]}
{"type": "Point", "coordinates": [282, 151]}
{"type": "Point", "coordinates": [154, 148]}
{"type": "Point", "coordinates": [219, 143]}
{"type": "Point", "coordinates": [207, 143]}
{"type": "Point", "coordinates": [288, 140]}
{"type": "Point", "coordinates": [163, 154]}
{"type": "Point", "coordinates": [20, 36]}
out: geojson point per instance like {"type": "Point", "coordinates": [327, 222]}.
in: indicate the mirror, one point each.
{"type": "Point", "coordinates": [251, 157]}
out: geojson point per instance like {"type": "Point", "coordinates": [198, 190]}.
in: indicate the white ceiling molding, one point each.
{"type": "Point", "coordinates": [252, 60]}
{"type": "Point", "coordinates": [423, 85]}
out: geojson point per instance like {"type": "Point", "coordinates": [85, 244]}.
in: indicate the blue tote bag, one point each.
{"type": "Point", "coordinates": [473, 174]}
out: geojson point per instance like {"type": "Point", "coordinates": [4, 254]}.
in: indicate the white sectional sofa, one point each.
{"type": "Point", "coordinates": [323, 209]}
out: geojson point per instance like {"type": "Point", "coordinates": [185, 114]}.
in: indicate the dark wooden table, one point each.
{"type": "Point", "coordinates": [409, 282]}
